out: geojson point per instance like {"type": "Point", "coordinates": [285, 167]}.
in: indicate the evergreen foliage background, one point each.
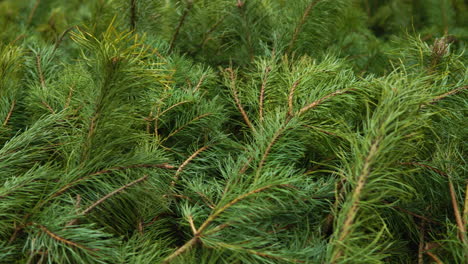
{"type": "Point", "coordinates": [233, 131]}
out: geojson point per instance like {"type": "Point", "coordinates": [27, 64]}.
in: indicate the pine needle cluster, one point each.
{"type": "Point", "coordinates": [233, 131]}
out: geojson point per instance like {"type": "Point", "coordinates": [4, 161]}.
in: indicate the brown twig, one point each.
{"type": "Point", "coordinates": [192, 225]}
{"type": "Point", "coordinates": [356, 198]}
{"type": "Point", "coordinates": [181, 22]}
{"type": "Point", "coordinates": [33, 11]}
{"type": "Point", "coordinates": [133, 15]}
{"type": "Point", "coordinates": [321, 100]}
{"type": "Point", "coordinates": [69, 97]}
{"type": "Point", "coordinates": [262, 92]}
{"type": "Point", "coordinates": [107, 196]}
{"type": "Point", "coordinates": [183, 126]}
{"type": "Point", "coordinates": [184, 164]}
{"type": "Point", "coordinates": [161, 166]}
{"type": "Point", "coordinates": [200, 82]}
{"type": "Point", "coordinates": [291, 98]}
{"type": "Point", "coordinates": [209, 220]}
{"type": "Point", "coordinates": [10, 112]}
{"type": "Point", "coordinates": [237, 100]}
{"type": "Point", "coordinates": [61, 239]}
{"type": "Point", "coordinates": [436, 170]}
{"type": "Point", "coordinates": [434, 257]}
{"type": "Point", "coordinates": [455, 91]}
{"type": "Point", "coordinates": [275, 138]}
{"type": "Point", "coordinates": [422, 231]}
{"type": "Point", "coordinates": [456, 211]}
{"type": "Point", "coordinates": [301, 23]}
{"type": "Point", "coordinates": [39, 70]}
{"type": "Point", "coordinates": [62, 36]}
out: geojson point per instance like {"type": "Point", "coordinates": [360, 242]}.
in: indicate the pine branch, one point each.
{"type": "Point", "coordinates": [10, 112]}
{"type": "Point", "coordinates": [185, 125]}
{"type": "Point", "coordinates": [61, 239]}
{"type": "Point", "coordinates": [210, 219]}
{"type": "Point", "coordinates": [458, 217]}
{"type": "Point", "coordinates": [181, 22]}
{"type": "Point", "coordinates": [237, 100]}
{"type": "Point", "coordinates": [133, 15]}
{"type": "Point", "coordinates": [262, 92]}
{"type": "Point", "coordinates": [301, 23]}
{"type": "Point", "coordinates": [321, 100]}
{"type": "Point", "coordinates": [258, 253]}
{"type": "Point", "coordinates": [107, 196]}
{"type": "Point", "coordinates": [291, 98]}
{"type": "Point", "coordinates": [186, 162]}
{"type": "Point", "coordinates": [455, 91]}
{"type": "Point", "coordinates": [33, 11]}
{"type": "Point", "coordinates": [39, 70]}
{"type": "Point", "coordinates": [356, 198]}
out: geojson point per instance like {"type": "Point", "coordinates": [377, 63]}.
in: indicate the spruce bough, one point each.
{"type": "Point", "coordinates": [229, 131]}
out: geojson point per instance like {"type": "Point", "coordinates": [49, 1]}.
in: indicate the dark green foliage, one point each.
{"type": "Point", "coordinates": [233, 131]}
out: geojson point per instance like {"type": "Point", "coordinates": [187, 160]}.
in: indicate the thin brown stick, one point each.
{"type": "Point", "coordinates": [107, 196]}
{"type": "Point", "coordinates": [187, 161]}
{"type": "Point", "coordinates": [258, 253]}
{"type": "Point", "coordinates": [192, 225]}
{"type": "Point", "coordinates": [61, 239]}
{"type": "Point", "coordinates": [62, 36]}
{"type": "Point", "coordinates": [465, 210]}
{"type": "Point", "coordinates": [181, 250]}
{"type": "Point", "coordinates": [10, 112]}
{"type": "Point", "coordinates": [262, 92]}
{"type": "Point", "coordinates": [275, 138]}
{"type": "Point", "coordinates": [436, 170]}
{"type": "Point", "coordinates": [181, 22]}
{"type": "Point", "coordinates": [200, 82]}
{"type": "Point", "coordinates": [422, 231]}
{"type": "Point", "coordinates": [51, 110]}
{"type": "Point", "coordinates": [69, 97]}
{"type": "Point", "coordinates": [321, 100]}
{"type": "Point", "coordinates": [133, 15]}
{"type": "Point", "coordinates": [434, 257]}
{"type": "Point", "coordinates": [39, 70]}
{"type": "Point", "coordinates": [301, 23]}
{"type": "Point", "coordinates": [456, 211]}
{"type": "Point", "coordinates": [356, 198]}
{"type": "Point", "coordinates": [455, 91]}
{"type": "Point", "coordinates": [237, 100]}
{"type": "Point", "coordinates": [209, 220]}
{"type": "Point", "coordinates": [161, 166]}
{"type": "Point", "coordinates": [33, 11]}
{"type": "Point", "coordinates": [183, 126]}
{"type": "Point", "coordinates": [291, 98]}
{"type": "Point", "coordinates": [172, 107]}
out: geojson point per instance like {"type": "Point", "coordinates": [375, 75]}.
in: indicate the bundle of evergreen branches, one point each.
{"type": "Point", "coordinates": [233, 131]}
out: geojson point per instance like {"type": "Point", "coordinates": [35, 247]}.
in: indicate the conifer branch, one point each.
{"type": "Point", "coordinates": [455, 91]}
{"type": "Point", "coordinates": [61, 239]}
{"type": "Point", "coordinates": [133, 15]}
{"type": "Point", "coordinates": [192, 225]}
{"type": "Point", "coordinates": [434, 257]}
{"type": "Point", "coordinates": [172, 107]}
{"type": "Point", "coordinates": [62, 36]}
{"type": "Point", "coordinates": [465, 210]}
{"type": "Point", "coordinates": [33, 11]}
{"type": "Point", "coordinates": [186, 162]}
{"type": "Point", "coordinates": [181, 22]}
{"type": "Point", "coordinates": [210, 219]}
{"type": "Point", "coordinates": [301, 23]}
{"type": "Point", "coordinates": [237, 100]}
{"type": "Point", "coordinates": [185, 125]}
{"type": "Point", "coordinates": [321, 100]}
{"type": "Point", "coordinates": [356, 198]}
{"type": "Point", "coordinates": [458, 217]}
{"type": "Point", "coordinates": [291, 98]}
{"type": "Point", "coordinates": [181, 250]}
{"type": "Point", "coordinates": [262, 92]}
{"type": "Point", "coordinates": [39, 70]}
{"type": "Point", "coordinates": [107, 196]}
{"type": "Point", "coordinates": [258, 253]}
{"type": "Point", "coordinates": [200, 82]}
{"type": "Point", "coordinates": [10, 112]}
{"type": "Point", "coordinates": [275, 138]}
